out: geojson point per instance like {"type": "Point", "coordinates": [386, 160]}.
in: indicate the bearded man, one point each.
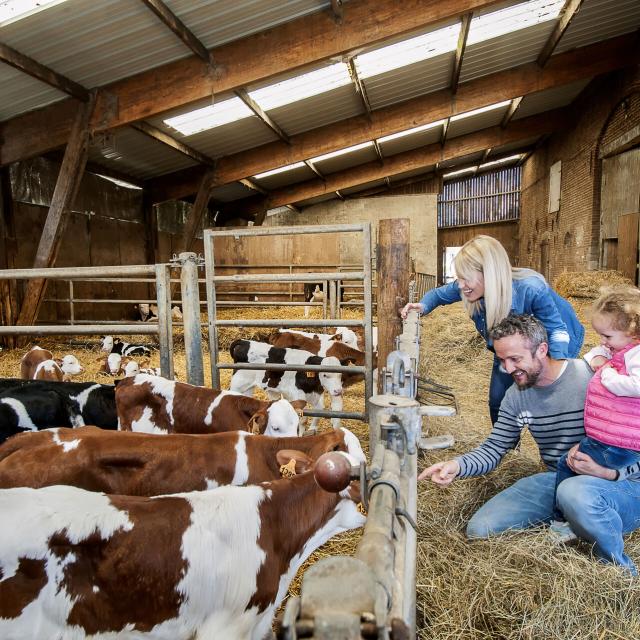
{"type": "Point", "coordinates": [548, 399]}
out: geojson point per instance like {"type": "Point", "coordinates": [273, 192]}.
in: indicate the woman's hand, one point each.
{"type": "Point", "coordinates": [585, 465]}
{"type": "Point", "coordinates": [410, 306]}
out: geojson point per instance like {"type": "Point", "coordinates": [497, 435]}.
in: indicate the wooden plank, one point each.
{"type": "Point", "coordinates": [257, 109]}
{"type": "Point", "coordinates": [67, 185]}
{"type": "Point", "coordinates": [567, 14]}
{"type": "Point", "coordinates": [39, 71]}
{"type": "Point", "coordinates": [194, 220]}
{"type": "Point", "coordinates": [628, 245]}
{"type": "Point", "coordinates": [408, 161]}
{"type": "Point", "coordinates": [241, 63]}
{"type": "Point", "coordinates": [8, 290]}
{"type": "Point", "coordinates": [164, 138]}
{"type": "Point", "coordinates": [622, 143]}
{"type": "Point", "coordinates": [504, 85]}
{"type": "Point", "coordinates": [465, 23]}
{"type": "Point", "coordinates": [620, 192]}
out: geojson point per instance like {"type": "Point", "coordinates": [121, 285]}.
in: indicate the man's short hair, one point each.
{"type": "Point", "coordinates": [527, 326]}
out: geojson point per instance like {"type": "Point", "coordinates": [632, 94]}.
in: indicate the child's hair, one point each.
{"type": "Point", "coordinates": [622, 304]}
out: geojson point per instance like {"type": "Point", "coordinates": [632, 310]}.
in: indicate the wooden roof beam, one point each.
{"type": "Point", "coordinates": [313, 168]}
{"type": "Point", "coordinates": [520, 130]}
{"type": "Point", "coordinates": [256, 58]}
{"type": "Point", "coordinates": [567, 14]}
{"type": "Point", "coordinates": [563, 69]}
{"type": "Point", "coordinates": [465, 23]}
{"type": "Point", "coordinates": [337, 9]}
{"type": "Point", "coordinates": [511, 111]}
{"type": "Point", "coordinates": [359, 86]}
{"type": "Point", "coordinates": [39, 71]}
{"type": "Point", "coordinates": [263, 115]}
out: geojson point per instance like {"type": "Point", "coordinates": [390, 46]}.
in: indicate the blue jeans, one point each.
{"type": "Point", "coordinates": [604, 454]}
{"type": "Point", "coordinates": [599, 511]}
{"type": "Point", "coordinates": [500, 382]}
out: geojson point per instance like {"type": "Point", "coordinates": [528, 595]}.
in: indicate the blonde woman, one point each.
{"type": "Point", "coordinates": [491, 289]}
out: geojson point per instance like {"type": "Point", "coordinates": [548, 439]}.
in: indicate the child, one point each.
{"type": "Point", "coordinates": [612, 404]}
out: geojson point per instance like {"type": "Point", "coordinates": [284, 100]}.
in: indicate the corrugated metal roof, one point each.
{"type": "Point", "coordinates": [468, 159]}
{"type": "Point", "coordinates": [512, 147]}
{"type": "Point", "coordinates": [311, 201]}
{"type": "Point", "coordinates": [132, 152]}
{"type": "Point", "coordinates": [410, 141]}
{"type": "Point", "coordinates": [346, 160]}
{"type": "Point", "coordinates": [21, 93]}
{"type": "Point", "coordinates": [476, 122]}
{"type": "Point", "coordinates": [412, 174]}
{"type": "Point", "coordinates": [231, 192]}
{"type": "Point", "coordinates": [285, 178]}
{"type": "Point", "coordinates": [549, 99]}
{"type": "Point", "coordinates": [363, 187]}
{"type": "Point", "coordinates": [599, 20]}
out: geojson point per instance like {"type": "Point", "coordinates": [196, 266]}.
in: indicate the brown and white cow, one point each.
{"type": "Point", "coordinates": [39, 364]}
{"type": "Point", "coordinates": [141, 464]}
{"type": "Point", "coordinates": [116, 365]}
{"type": "Point", "coordinates": [206, 564]}
{"type": "Point", "coordinates": [152, 404]}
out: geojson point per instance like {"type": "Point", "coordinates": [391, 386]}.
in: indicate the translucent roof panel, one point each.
{"type": "Point", "coordinates": [477, 119]}
{"type": "Point", "coordinates": [210, 116]}
{"type": "Point", "coordinates": [13, 10]}
{"type": "Point", "coordinates": [284, 176]}
{"type": "Point", "coordinates": [461, 160]}
{"type": "Point", "coordinates": [411, 138]}
{"type": "Point", "coordinates": [599, 20]}
{"type": "Point", "coordinates": [345, 158]}
{"type": "Point", "coordinates": [549, 99]}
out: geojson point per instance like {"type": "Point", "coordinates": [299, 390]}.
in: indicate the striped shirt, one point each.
{"type": "Point", "coordinates": [554, 414]}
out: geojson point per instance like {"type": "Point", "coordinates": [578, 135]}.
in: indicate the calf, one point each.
{"type": "Point", "coordinates": [295, 385]}
{"type": "Point", "coordinates": [115, 365]}
{"type": "Point", "coordinates": [140, 464]}
{"type": "Point", "coordinates": [115, 345]}
{"type": "Point", "coordinates": [29, 405]}
{"type": "Point", "coordinates": [38, 364]}
{"type": "Point", "coordinates": [312, 293]}
{"type": "Point", "coordinates": [206, 564]}
{"type": "Point", "coordinates": [152, 404]}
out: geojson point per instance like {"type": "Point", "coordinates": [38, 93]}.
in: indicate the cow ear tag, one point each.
{"type": "Point", "coordinates": [288, 470]}
{"type": "Point", "coordinates": [311, 374]}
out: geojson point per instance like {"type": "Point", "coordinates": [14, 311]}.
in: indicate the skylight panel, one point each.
{"type": "Point", "coordinates": [273, 172]}
{"type": "Point", "coordinates": [475, 112]}
{"type": "Point", "coordinates": [120, 183]}
{"type": "Point", "coordinates": [518, 156]}
{"type": "Point", "coordinates": [408, 51]}
{"type": "Point", "coordinates": [13, 10]}
{"type": "Point", "coordinates": [210, 116]}
{"type": "Point", "coordinates": [302, 86]}
{"type": "Point", "coordinates": [459, 172]}
{"type": "Point", "coordinates": [408, 132]}
{"type": "Point", "coordinates": [514, 18]}
{"type": "Point", "coordinates": [341, 152]}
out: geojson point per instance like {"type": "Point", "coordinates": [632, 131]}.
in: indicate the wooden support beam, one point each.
{"type": "Point", "coordinates": [252, 184]}
{"type": "Point", "coordinates": [263, 115]}
{"type": "Point", "coordinates": [179, 28]}
{"type": "Point", "coordinates": [359, 86]}
{"type": "Point", "coordinates": [511, 111]}
{"type": "Point", "coordinates": [445, 130]}
{"type": "Point", "coordinates": [163, 137]}
{"type": "Point", "coordinates": [378, 151]}
{"type": "Point", "coordinates": [64, 194]}
{"type": "Point", "coordinates": [393, 264]}
{"type": "Point", "coordinates": [465, 23]}
{"type": "Point", "coordinates": [257, 58]}
{"type": "Point", "coordinates": [567, 14]}
{"type": "Point", "coordinates": [336, 7]}
{"type": "Point", "coordinates": [44, 74]}
{"type": "Point", "coordinates": [485, 155]}
{"type": "Point", "coordinates": [151, 240]}
{"type": "Point", "coordinates": [194, 219]}
{"type": "Point", "coordinates": [520, 130]}
{"type": "Point", "coordinates": [9, 302]}
{"type": "Point", "coordinates": [314, 169]}
{"type": "Point", "coordinates": [293, 208]}
{"type": "Point", "coordinates": [340, 196]}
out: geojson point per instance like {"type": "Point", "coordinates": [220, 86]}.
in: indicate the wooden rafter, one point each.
{"type": "Point", "coordinates": [314, 169]}
{"type": "Point", "coordinates": [338, 13]}
{"type": "Point", "coordinates": [44, 74]}
{"type": "Point", "coordinates": [64, 194]}
{"type": "Point", "coordinates": [445, 130]}
{"type": "Point", "coordinates": [194, 219]}
{"type": "Point", "coordinates": [485, 155]}
{"type": "Point", "coordinates": [252, 184]}
{"type": "Point", "coordinates": [179, 29]}
{"type": "Point", "coordinates": [422, 157]}
{"type": "Point", "coordinates": [378, 151]}
{"type": "Point", "coordinates": [163, 137]}
{"type": "Point", "coordinates": [263, 115]}
{"type": "Point", "coordinates": [359, 86]}
{"type": "Point", "coordinates": [511, 111]}
{"type": "Point", "coordinates": [465, 23]}
{"type": "Point", "coordinates": [567, 14]}
{"type": "Point", "coordinates": [301, 42]}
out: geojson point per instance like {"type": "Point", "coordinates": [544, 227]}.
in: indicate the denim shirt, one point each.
{"type": "Point", "coordinates": [529, 296]}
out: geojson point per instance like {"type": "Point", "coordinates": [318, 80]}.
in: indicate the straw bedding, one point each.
{"type": "Point", "coordinates": [511, 587]}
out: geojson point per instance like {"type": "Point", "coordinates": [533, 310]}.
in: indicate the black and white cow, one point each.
{"type": "Point", "coordinates": [115, 345]}
{"type": "Point", "coordinates": [30, 405]}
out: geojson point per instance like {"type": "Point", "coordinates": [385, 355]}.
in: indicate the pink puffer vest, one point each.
{"type": "Point", "coordinates": [609, 418]}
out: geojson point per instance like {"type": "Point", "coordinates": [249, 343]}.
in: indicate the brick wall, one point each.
{"type": "Point", "coordinates": [569, 238]}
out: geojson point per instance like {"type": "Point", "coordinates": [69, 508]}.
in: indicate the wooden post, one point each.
{"type": "Point", "coordinates": [8, 288]}
{"type": "Point", "coordinates": [151, 242]}
{"type": "Point", "coordinates": [194, 220]}
{"type": "Point", "coordinates": [394, 270]}
{"type": "Point", "coordinates": [73, 163]}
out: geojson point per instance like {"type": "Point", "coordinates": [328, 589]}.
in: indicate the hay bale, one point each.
{"type": "Point", "coordinates": [586, 284]}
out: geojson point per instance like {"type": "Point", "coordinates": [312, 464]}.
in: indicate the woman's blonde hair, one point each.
{"type": "Point", "coordinates": [622, 304]}
{"type": "Point", "coordinates": [485, 255]}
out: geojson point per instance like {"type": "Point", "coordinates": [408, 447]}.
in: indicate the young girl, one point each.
{"type": "Point", "coordinates": [612, 404]}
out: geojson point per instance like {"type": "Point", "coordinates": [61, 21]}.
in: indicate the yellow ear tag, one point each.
{"type": "Point", "coordinates": [361, 509]}
{"type": "Point", "coordinates": [311, 374]}
{"type": "Point", "coordinates": [288, 470]}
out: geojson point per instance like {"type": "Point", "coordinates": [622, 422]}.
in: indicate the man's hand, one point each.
{"type": "Point", "coordinates": [442, 473]}
{"type": "Point", "coordinates": [585, 465]}
{"type": "Point", "coordinates": [597, 362]}
{"type": "Point", "coordinates": [410, 306]}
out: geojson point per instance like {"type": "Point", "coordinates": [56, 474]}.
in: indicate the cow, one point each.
{"type": "Point", "coordinates": [39, 364]}
{"type": "Point", "coordinates": [204, 564]}
{"type": "Point", "coordinates": [295, 385]}
{"type": "Point", "coordinates": [140, 464]}
{"type": "Point", "coordinates": [115, 345]}
{"type": "Point", "coordinates": [29, 405]}
{"type": "Point", "coordinates": [149, 312]}
{"type": "Point", "coordinates": [313, 292]}
{"type": "Point", "coordinates": [152, 404]}
{"type": "Point", "coordinates": [324, 348]}
{"type": "Point", "coordinates": [115, 365]}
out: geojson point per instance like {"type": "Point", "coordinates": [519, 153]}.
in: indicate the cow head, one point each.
{"type": "Point", "coordinates": [131, 367]}
{"type": "Point", "coordinates": [107, 344]}
{"type": "Point", "coordinates": [70, 365]}
{"type": "Point", "coordinates": [347, 336]}
{"type": "Point", "coordinates": [331, 382]}
{"type": "Point", "coordinates": [281, 419]}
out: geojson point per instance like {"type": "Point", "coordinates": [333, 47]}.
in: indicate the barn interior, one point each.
{"type": "Point", "coordinates": [130, 127]}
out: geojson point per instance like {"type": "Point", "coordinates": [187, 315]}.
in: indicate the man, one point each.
{"type": "Point", "coordinates": [547, 398]}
